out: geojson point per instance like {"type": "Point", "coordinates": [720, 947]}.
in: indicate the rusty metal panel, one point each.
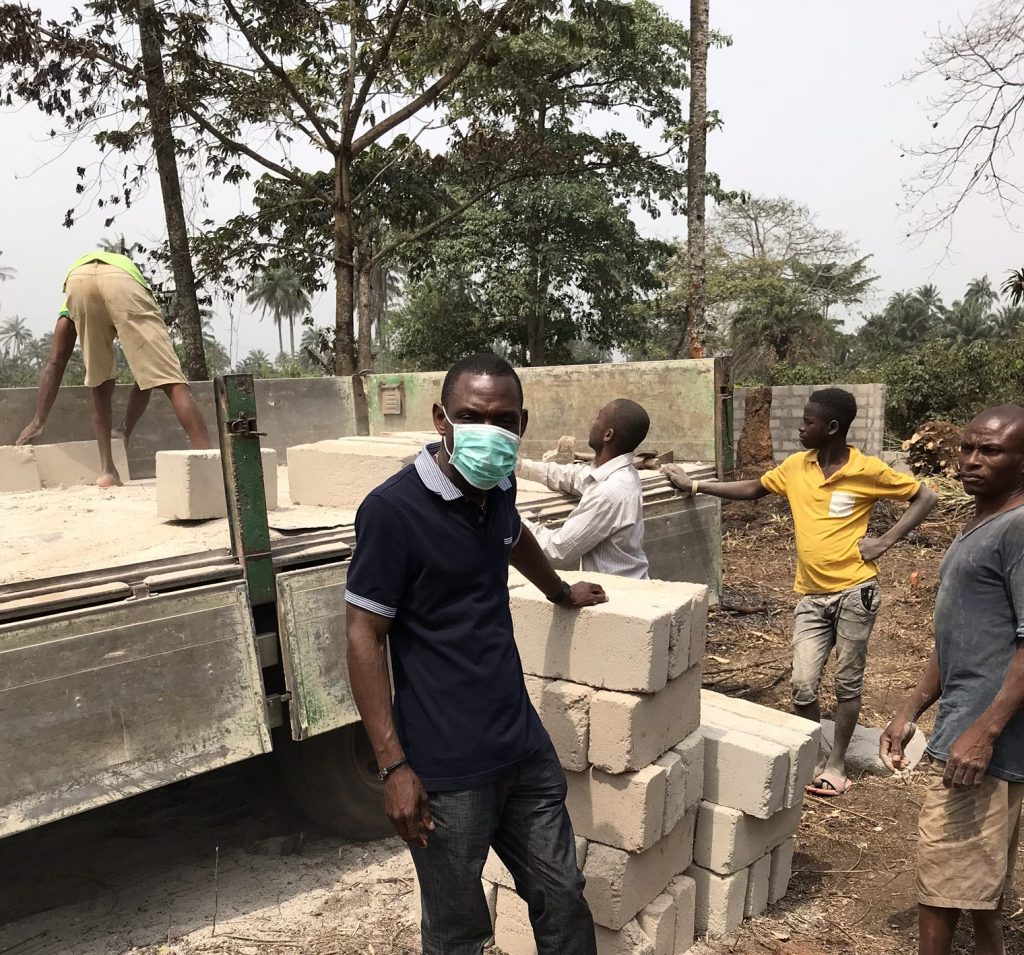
{"type": "Point", "coordinates": [99, 704]}
{"type": "Point", "coordinates": [311, 618]}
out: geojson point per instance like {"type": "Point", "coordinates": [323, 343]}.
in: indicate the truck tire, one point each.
{"type": "Point", "coordinates": [332, 778]}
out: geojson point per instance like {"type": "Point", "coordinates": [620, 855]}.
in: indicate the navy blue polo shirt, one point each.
{"type": "Point", "coordinates": [437, 565]}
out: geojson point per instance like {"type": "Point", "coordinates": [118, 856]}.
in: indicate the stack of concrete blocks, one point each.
{"type": "Point", "coordinates": [70, 463]}
{"type": "Point", "coordinates": [618, 688]}
{"type": "Point", "coordinates": [190, 484]}
{"type": "Point", "coordinates": [342, 471]}
{"type": "Point", "coordinates": [757, 762]}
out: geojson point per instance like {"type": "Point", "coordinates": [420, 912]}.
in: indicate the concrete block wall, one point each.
{"type": "Point", "coordinates": [867, 433]}
{"type": "Point", "coordinates": [662, 862]}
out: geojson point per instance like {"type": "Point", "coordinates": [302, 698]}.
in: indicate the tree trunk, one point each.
{"type": "Point", "coordinates": [696, 173]}
{"type": "Point", "coordinates": [364, 357]}
{"type": "Point", "coordinates": [190, 322]}
{"type": "Point", "coordinates": [344, 351]}
{"type": "Point", "coordinates": [279, 321]}
{"type": "Point", "coordinates": [291, 334]}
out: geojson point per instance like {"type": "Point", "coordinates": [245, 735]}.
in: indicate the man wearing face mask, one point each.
{"type": "Point", "coordinates": [465, 761]}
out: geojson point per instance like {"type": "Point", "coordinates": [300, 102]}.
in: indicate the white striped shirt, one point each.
{"type": "Point", "coordinates": [605, 533]}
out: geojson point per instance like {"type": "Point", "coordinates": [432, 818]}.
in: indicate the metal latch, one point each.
{"type": "Point", "coordinates": [245, 425]}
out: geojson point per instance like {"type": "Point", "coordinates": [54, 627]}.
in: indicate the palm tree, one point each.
{"type": "Point", "coordinates": [279, 291]}
{"type": "Point", "coordinates": [15, 336]}
{"type": "Point", "coordinates": [1008, 322]}
{"type": "Point", "coordinates": [257, 363]}
{"type": "Point", "coordinates": [117, 245]}
{"type": "Point", "coordinates": [1014, 286]}
{"type": "Point", "coordinates": [966, 323]}
{"type": "Point", "coordinates": [931, 301]}
{"type": "Point", "coordinates": [980, 291]}
{"type": "Point", "coordinates": [7, 272]}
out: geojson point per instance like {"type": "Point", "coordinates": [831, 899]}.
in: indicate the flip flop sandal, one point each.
{"type": "Point", "coordinates": [829, 785]}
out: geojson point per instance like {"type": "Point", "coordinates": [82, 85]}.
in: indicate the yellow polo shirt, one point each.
{"type": "Point", "coordinates": [830, 515]}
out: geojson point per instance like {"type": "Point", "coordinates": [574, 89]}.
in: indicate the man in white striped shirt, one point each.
{"type": "Point", "coordinates": [605, 533]}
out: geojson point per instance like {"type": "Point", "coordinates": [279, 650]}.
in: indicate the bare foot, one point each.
{"type": "Point", "coordinates": [109, 479]}
{"type": "Point", "coordinates": [31, 432]}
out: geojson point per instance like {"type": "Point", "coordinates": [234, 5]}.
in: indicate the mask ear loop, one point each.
{"type": "Point", "coordinates": [444, 443]}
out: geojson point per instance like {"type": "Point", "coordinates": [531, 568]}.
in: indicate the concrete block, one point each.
{"type": "Point", "coordinates": [781, 870]}
{"type": "Point", "coordinates": [675, 789]}
{"type": "Point", "coordinates": [76, 462]}
{"type": "Point", "coordinates": [691, 753]}
{"type": "Point", "coordinates": [513, 938]}
{"type": "Point", "coordinates": [620, 884]}
{"type": "Point", "coordinates": [190, 484]}
{"type": "Point", "coordinates": [564, 710]}
{"type": "Point", "coordinates": [758, 878]}
{"type": "Point", "coordinates": [802, 737]}
{"type": "Point", "coordinates": [743, 771]}
{"type": "Point", "coordinates": [627, 731]}
{"type": "Point", "coordinates": [698, 629]}
{"type": "Point", "coordinates": [684, 890]}
{"type": "Point", "coordinates": [728, 840]}
{"type": "Point", "coordinates": [624, 810]}
{"type": "Point", "coordinates": [510, 906]}
{"type": "Point", "coordinates": [629, 940]}
{"type": "Point", "coordinates": [535, 690]}
{"type": "Point", "coordinates": [720, 900]}
{"type": "Point", "coordinates": [687, 603]}
{"type": "Point", "coordinates": [341, 472]}
{"type": "Point", "coordinates": [620, 645]}
{"type": "Point", "coordinates": [18, 469]}
{"type": "Point", "coordinates": [658, 923]}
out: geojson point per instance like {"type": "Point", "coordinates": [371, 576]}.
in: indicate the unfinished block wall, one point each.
{"type": "Point", "coordinates": [867, 433]}
{"type": "Point", "coordinates": [684, 803]}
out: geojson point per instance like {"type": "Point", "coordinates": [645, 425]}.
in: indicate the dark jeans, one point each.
{"type": "Point", "coordinates": [522, 815]}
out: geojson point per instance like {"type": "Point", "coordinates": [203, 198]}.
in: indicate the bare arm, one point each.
{"type": "Point", "coordinates": [728, 490]}
{"type": "Point", "coordinates": [63, 344]}
{"type": "Point", "coordinates": [529, 560]}
{"type": "Point", "coordinates": [405, 800]}
{"type": "Point", "coordinates": [921, 504]}
{"type": "Point", "coordinates": [901, 727]}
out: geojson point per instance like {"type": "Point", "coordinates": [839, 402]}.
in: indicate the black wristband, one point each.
{"type": "Point", "coordinates": [388, 770]}
{"type": "Point", "coordinates": [559, 597]}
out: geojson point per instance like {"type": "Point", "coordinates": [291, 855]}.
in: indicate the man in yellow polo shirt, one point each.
{"type": "Point", "coordinates": [831, 488]}
{"type": "Point", "coordinates": [108, 298]}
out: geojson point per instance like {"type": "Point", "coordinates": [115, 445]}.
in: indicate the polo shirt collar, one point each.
{"type": "Point", "coordinates": [437, 481]}
{"type": "Point", "coordinates": [607, 469]}
{"type": "Point", "coordinates": [854, 464]}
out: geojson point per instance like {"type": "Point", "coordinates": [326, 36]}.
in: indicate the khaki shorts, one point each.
{"type": "Point", "coordinates": [967, 841]}
{"type": "Point", "coordinates": [105, 303]}
{"type": "Point", "coordinates": [842, 620]}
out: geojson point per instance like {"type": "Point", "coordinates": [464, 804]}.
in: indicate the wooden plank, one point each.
{"type": "Point", "coordinates": [104, 703]}
{"type": "Point", "coordinates": [311, 620]}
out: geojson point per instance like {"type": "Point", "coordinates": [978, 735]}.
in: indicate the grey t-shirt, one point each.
{"type": "Point", "coordinates": [979, 626]}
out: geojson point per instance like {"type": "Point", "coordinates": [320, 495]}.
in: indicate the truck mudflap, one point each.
{"type": "Point", "coordinates": [101, 703]}
{"type": "Point", "coordinates": [311, 621]}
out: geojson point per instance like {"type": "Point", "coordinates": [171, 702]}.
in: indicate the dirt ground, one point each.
{"type": "Point", "coordinates": [222, 864]}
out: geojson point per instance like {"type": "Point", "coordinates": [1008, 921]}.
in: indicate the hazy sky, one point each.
{"type": "Point", "coordinates": [813, 107]}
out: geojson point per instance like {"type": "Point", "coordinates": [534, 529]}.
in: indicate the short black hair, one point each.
{"type": "Point", "coordinates": [839, 406]}
{"type": "Point", "coordinates": [485, 363]}
{"type": "Point", "coordinates": [631, 424]}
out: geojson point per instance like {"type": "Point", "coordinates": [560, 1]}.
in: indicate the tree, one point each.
{"type": "Point", "coordinates": [980, 292]}
{"type": "Point", "coordinates": [697, 172]}
{"type": "Point", "coordinates": [966, 323]}
{"type": "Point", "coordinates": [7, 272]}
{"type": "Point", "coordinates": [15, 337]}
{"type": "Point", "coordinates": [117, 245]}
{"type": "Point", "coordinates": [1013, 287]}
{"type": "Point", "coordinates": [257, 363]}
{"type": "Point", "coordinates": [1008, 322]}
{"type": "Point", "coordinates": [279, 291]}
{"type": "Point", "coordinates": [979, 66]}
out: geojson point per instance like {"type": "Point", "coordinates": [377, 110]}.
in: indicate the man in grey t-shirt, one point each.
{"type": "Point", "coordinates": [970, 820]}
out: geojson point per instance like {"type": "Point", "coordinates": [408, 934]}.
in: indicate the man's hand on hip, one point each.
{"type": "Point", "coordinates": [968, 759]}
{"type": "Point", "coordinates": [585, 595]}
{"type": "Point", "coordinates": [871, 548]}
{"type": "Point", "coordinates": [407, 806]}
